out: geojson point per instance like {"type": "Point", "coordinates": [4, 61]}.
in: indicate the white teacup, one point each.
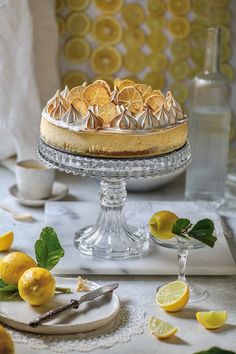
{"type": "Point", "coordinates": [34, 180]}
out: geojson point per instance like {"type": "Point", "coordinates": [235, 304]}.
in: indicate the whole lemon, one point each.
{"type": "Point", "coordinates": [160, 224]}
{"type": "Point", "coordinates": [14, 265]}
{"type": "Point", "coordinates": [6, 343]}
{"type": "Point", "coordinates": [36, 286]}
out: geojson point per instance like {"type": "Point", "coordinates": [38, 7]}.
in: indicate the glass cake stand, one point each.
{"type": "Point", "coordinates": [112, 236]}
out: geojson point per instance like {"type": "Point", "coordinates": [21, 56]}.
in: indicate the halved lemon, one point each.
{"type": "Point", "coordinates": [179, 69]}
{"type": "Point", "coordinates": [179, 27]}
{"type": "Point", "coordinates": [106, 59]}
{"type": "Point", "coordinates": [133, 14]}
{"type": "Point", "coordinates": [181, 90]}
{"type": "Point", "coordinates": [107, 30]}
{"type": "Point", "coordinates": [156, 7]}
{"type": "Point", "coordinates": [74, 78]}
{"type": "Point", "coordinates": [61, 25]}
{"type": "Point", "coordinates": [228, 71]}
{"type": "Point", "coordinates": [77, 5]}
{"type": "Point", "coordinates": [6, 240]}
{"type": "Point", "coordinates": [212, 319]}
{"type": "Point", "coordinates": [157, 40]}
{"type": "Point", "coordinates": [157, 61]}
{"type": "Point", "coordinates": [200, 7]}
{"type": "Point", "coordinates": [155, 79]}
{"type": "Point", "coordinates": [161, 329]}
{"type": "Point", "coordinates": [179, 7]}
{"type": "Point", "coordinates": [133, 38]}
{"type": "Point", "coordinates": [134, 61]}
{"type": "Point", "coordinates": [180, 48]}
{"type": "Point", "coordinates": [173, 296]}
{"type": "Point", "coordinates": [76, 50]}
{"type": "Point", "coordinates": [78, 23]}
{"type": "Point", "coordinates": [109, 6]}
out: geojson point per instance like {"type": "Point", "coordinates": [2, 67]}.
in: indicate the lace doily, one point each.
{"type": "Point", "coordinates": [129, 321]}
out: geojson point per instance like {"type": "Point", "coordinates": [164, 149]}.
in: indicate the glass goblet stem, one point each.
{"type": "Point", "coordinates": [182, 259]}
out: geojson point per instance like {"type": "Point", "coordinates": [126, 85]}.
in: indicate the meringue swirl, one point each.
{"type": "Point", "coordinates": [72, 116]}
{"type": "Point", "coordinates": [91, 120]}
{"type": "Point", "coordinates": [164, 117]}
{"type": "Point", "coordinates": [147, 119]}
{"type": "Point", "coordinates": [124, 121]}
{"type": "Point", "coordinates": [57, 106]}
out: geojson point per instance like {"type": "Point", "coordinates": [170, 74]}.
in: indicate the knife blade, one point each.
{"type": "Point", "coordinates": [50, 315]}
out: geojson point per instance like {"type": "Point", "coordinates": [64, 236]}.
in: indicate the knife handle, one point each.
{"type": "Point", "coordinates": [50, 315]}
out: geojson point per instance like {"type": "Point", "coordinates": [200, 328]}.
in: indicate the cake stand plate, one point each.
{"type": "Point", "coordinates": [112, 236]}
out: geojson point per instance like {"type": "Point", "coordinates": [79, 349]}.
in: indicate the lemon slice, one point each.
{"type": "Point", "coordinates": [200, 7]}
{"type": "Point", "coordinates": [6, 240]}
{"type": "Point", "coordinates": [77, 5]}
{"type": "Point", "coordinates": [109, 6]}
{"type": "Point", "coordinates": [155, 79]}
{"type": "Point", "coordinates": [106, 59]}
{"type": "Point", "coordinates": [156, 7]}
{"type": "Point", "coordinates": [181, 90]}
{"type": "Point", "coordinates": [179, 27]}
{"type": "Point", "coordinates": [120, 84]}
{"type": "Point", "coordinates": [133, 38]}
{"type": "Point", "coordinates": [78, 23]}
{"type": "Point", "coordinates": [197, 55]}
{"type": "Point", "coordinates": [180, 48]}
{"type": "Point", "coordinates": [130, 98]}
{"type": "Point", "coordinates": [219, 17]}
{"type": "Point", "coordinates": [179, 7]}
{"type": "Point", "coordinates": [107, 30]}
{"type": "Point", "coordinates": [157, 62]}
{"type": "Point", "coordinates": [76, 50]}
{"type": "Point", "coordinates": [219, 3]}
{"type": "Point", "coordinates": [226, 52]}
{"type": "Point", "coordinates": [59, 5]}
{"type": "Point", "coordinates": [134, 61]}
{"type": "Point", "coordinates": [173, 296]}
{"type": "Point", "coordinates": [179, 69]}
{"type": "Point", "coordinates": [161, 329]}
{"type": "Point", "coordinates": [61, 25]}
{"type": "Point", "coordinates": [133, 14]}
{"type": "Point", "coordinates": [212, 319]}
{"type": "Point", "coordinates": [228, 71]}
{"type": "Point", "coordinates": [156, 23]}
{"type": "Point", "coordinates": [198, 34]}
{"type": "Point", "coordinates": [157, 40]}
{"type": "Point", "coordinates": [74, 78]}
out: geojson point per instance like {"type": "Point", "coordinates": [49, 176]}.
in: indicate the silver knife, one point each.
{"type": "Point", "coordinates": [50, 315]}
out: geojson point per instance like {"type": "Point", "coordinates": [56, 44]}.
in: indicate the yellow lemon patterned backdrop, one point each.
{"type": "Point", "coordinates": [157, 42]}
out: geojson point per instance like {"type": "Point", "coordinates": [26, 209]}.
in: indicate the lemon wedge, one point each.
{"type": "Point", "coordinates": [6, 240]}
{"type": "Point", "coordinates": [161, 329]}
{"type": "Point", "coordinates": [173, 296]}
{"type": "Point", "coordinates": [212, 319]}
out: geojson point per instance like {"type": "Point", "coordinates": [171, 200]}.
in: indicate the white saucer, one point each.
{"type": "Point", "coordinates": [89, 316]}
{"type": "Point", "coordinates": [59, 191]}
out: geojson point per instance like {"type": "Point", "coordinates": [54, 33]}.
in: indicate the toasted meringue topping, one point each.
{"type": "Point", "coordinates": [170, 100]}
{"type": "Point", "coordinates": [163, 116]}
{"type": "Point", "coordinates": [57, 107]}
{"type": "Point", "coordinates": [65, 92]}
{"type": "Point", "coordinates": [113, 95]}
{"type": "Point", "coordinates": [147, 119]}
{"type": "Point", "coordinates": [72, 116]}
{"type": "Point", "coordinates": [92, 120]}
{"type": "Point", "coordinates": [124, 120]}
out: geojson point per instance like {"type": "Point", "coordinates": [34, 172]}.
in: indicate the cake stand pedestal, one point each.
{"type": "Point", "coordinates": [112, 236]}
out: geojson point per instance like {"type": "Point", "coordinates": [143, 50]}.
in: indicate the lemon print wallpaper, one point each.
{"type": "Point", "coordinates": [158, 42]}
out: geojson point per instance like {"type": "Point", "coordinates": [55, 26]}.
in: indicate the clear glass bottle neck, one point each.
{"type": "Point", "coordinates": [212, 56]}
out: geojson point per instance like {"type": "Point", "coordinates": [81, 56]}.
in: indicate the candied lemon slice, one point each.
{"type": "Point", "coordinates": [157, 40]}
{"type": "Point", "coordinates": [198, 34]}
{"type": "Point", "coordinates": [133, 14]}
{"type": "Point", "coordinates": [180, 48]}
{"type": "Point", "coordinates": [107, 30]}
{"type": "Point", "coordinates": [76, 92]}
{"type": "Point", "coordinates": [179, 7]}
{"type": "Point", "coordinates": [77, 5]}
{"type": "Point", "coordinates": [96, 94]}
{"type": "Point", "coordinates": [103, 83]}
{"type": "Point", "coordinates": [226, 52]}
{"type": "Point", "coordinates": [212, 319]}
{"type": "Point", "coordinates": [173, 296]}
{"type": "Point", "coordinates": [219, 3]}
{"type": "Point", "coordinates": [157, 61]}
{"type": "Point", "coordinates": [80, 105]}
{"type": "Point", "coordinates": [228, 71]}
{"type": "Point", "coordinates": [133, 38]}
{"type": "Point", "coordinates": [134, 61]}
{"type": "Point", "coordinates": [179, 69]}
{"type": "Point", "coordinates": [78, 23]}
{"type": "Point", "coordinates": [219, 17]}
{"type": "Point", "coordinates": [197, 54]}
{"type": "Point", "coordinates": [181, 90]}
{"type": "Point", "coordinates": [161, 329]}
{"type": "Point", "coordinates": [161, 223]}
{"type": "Point", "coordinates": [6, 240]}
{"type": "Point", "coordinates": [200, 7]}
{"type": "Point", "coordinates": [144, 90]}
{"type": "Point", "coordinates": [107, 112]}
{"type": "Point", "coordinates": [106, 59]}
{"type": "Point", "coordinates": [61, 25]}
{"type": "Point", "coordinates": [155, 79]}
{"type": "Point", "coordinates": [154, 102]}
{"type": "Point", "coordinates": [130, 98]}
{"type": "Point", "coordinates": [108, 79]}
{"type": "Point", "coordinates": [156, 23]}
{"type": "Point", "coordinates": [59, 5]}
{"type": "Point", "coordinates": [74, 78]}
{"type": "Point", "coordinates": [179, 27]}
{"type": "Point", "coordinates": [109, 6]}
{"type": "Point", "coordinates": [156, 7]}
{"type": "Point", "coordinates": [76, 50]}
{"type": "Point", "coordinates": [120, 84]}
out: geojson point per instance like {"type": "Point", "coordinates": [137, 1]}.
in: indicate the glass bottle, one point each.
{"type": "Point", "coordinates": [209, 126]}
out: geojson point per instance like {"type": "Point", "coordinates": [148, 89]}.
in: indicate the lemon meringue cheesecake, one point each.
{"type": "Point", "coordinates": [131, 121]}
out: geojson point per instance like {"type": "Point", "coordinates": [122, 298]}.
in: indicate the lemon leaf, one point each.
{"type": "Point", "coordinates": [4, 287]}
{"type": "Point", "coordinates": [48, 250]}
{"type": "Point", "coordinates": [203, 231]}
{"type": "Point", "coordinates": [180, 226]}
{"type": "Point", "coordinates": [215, 350]}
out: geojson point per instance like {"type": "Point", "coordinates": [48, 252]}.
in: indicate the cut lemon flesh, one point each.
{"type": "Point", "coordinates": [180, 48]}
{"type": "Point", "coordinates": [156, 7]}
{"type": "Point", "coordinates": [106, 60]}
{"type": "Point", "coordinates": [74, 78]}
{"type": "Point", "coordinates": [133, 38]}
{"type": "Point", "coordinates": [157, 62]}
{"type": "Point", "coordinates": [173, 296]}
{"type": "Point", "coordinates": [78, 23]}
{"type": "Point", "coordinates": [179, 27]}
{"type": "Point", "coordinates": [109, 6]}
{"type": "Point", "coordinates": [212, 319]}
{"type": "Point", "coordinates": [133, 14]}
{"type": "Point", "coordinates": [134, 61]}
{"type": "Point", "coordinates": [157, 40]}
{"type": "Point", "coordinates": [6, 240]}
{"type": "Point", "coordinates": [106, 29]}
{"type": "Point", "coordinates": [130, 98]}
{"type": "Point", "coordinates": [155, 23]}
{"type": "Point", "coordinates": [76, 50]}
{"type": "Point", "coordinates": [161, 329]}
{"type": "Point", "coordinates": [179, 7]}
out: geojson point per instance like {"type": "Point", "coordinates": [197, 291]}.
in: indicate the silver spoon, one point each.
{"type": "Point", "coordinates": [16, 215]}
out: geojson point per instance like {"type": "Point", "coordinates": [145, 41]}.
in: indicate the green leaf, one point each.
{"type": "Point", "coordinates": [203, 231]}
{"type": "Point", "coordinates": [215, 350]}
{"type": "Point", "coordinates": [4, 287]}
{"type": "Point", "coordinates": [48, 250]}
{"type": "Point", "coordinates": [180, 225]}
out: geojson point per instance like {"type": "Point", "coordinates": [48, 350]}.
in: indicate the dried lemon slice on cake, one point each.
{"type": "Point", "coordinates": [179, 7]}
{"type": "Point", "coordinates": [157, 61]}
{"type": "Point", "coordinates": [156, 7]}
{"type": "Point", "coordinates": [155, 102]}
{"type": "Point", "coordinates": [179, 27]}
{"type": "Point", "coordinates": [130, 98]}
{"type": "Point", "coordinates": [107, 30]}
{"type": "Point", "coordinates": [108, 79]}
{"type": "Point", "coordinates": [103, 83]}
{"type": "Point", "coordinates": [212, 319]}
{"type": "Point", "coordinates": [108, 111]}
{"type": "Point", "coordinates": [78, 23]}
{"type": "Point", "coordinates": [155, 79]}
{"type": "Point", "coordinates": [109, 6]}
{"type": "Point", "coordinates": [80, 105]}
{"type": "Point", "coordinates": [76, 50]}
{"type": "Point", "coordinates": [133, 14]}
{"type": "Point", "coordinates": [106, 59]}
{"type": "Point", "coordinates": [161, 329]}
{"type": "Point", "coordinates": [133, 38]}
{"type": "Point", "coordinates": [96, 94]}
{"type": "Point", "coordinates": [74, 78]}
{"type": "Point", "coordinates": [173, 296]}
{"type": "Point", "coordinates": [144, 90]}
{"type": "Point", "coordinates": [134, 61]}
{"type": "Point", "coordinates": [120, 84]}
{"type": "Point", "coordinates": [77, 5]}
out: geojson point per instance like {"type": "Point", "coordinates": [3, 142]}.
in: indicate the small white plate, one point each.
{"type": "Point", "coordinates": [88, 317]}
{"type": "Point", "coordinates": [59, 191]}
